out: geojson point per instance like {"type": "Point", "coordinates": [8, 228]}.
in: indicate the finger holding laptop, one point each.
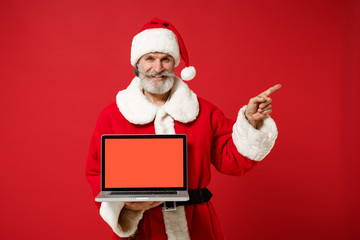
{"type": "Point", "coordinates": [141, 205]}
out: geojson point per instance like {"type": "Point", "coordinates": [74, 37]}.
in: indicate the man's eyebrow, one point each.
{"type": "Point", "coordinates": [168, 56]}
{"type": "Point", "coordinates": [152, 55]}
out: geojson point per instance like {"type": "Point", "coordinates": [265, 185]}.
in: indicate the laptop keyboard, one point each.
{"type": "Point", "coordinates": [144, 193]}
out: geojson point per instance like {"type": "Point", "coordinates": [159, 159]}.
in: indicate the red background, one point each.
{"type": "Point", "coordinates": [63, 61]}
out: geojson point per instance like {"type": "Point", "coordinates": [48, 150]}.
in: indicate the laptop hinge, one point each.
{"type": "Point", "coordinates": [169, 206]}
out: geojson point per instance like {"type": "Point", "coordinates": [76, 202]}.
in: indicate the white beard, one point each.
{"type": "Point", "coordinates": [155, 86]}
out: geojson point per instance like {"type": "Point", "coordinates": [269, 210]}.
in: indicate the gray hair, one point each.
{"type": "Point", "coordinates": [136, 71]}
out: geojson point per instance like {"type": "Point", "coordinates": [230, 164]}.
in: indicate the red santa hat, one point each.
{"type": "Point", "coordinates": [161, 36]}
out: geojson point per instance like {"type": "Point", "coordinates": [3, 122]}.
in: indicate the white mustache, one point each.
{"type": "Point", "coordinates": [159, 75]}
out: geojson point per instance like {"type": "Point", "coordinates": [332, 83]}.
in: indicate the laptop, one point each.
{"type": "Point", "coordinates": [138, 168]}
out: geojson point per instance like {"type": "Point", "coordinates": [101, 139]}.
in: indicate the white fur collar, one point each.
{"type": "Point", "coordinates": [182, 104]}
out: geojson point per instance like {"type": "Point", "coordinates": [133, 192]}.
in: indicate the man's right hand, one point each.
{"type": "Point", "coordinates": [136, 206]}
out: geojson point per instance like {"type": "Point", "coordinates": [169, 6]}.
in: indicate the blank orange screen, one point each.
{"type": "Point", "coordinates": [143, 163]}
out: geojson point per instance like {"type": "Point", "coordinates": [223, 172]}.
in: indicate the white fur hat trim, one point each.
{"type": "Point", "coordinates": [155, 40]}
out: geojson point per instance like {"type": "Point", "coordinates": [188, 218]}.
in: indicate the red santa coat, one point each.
{"type": "Point", "coordinates": [210, 141]}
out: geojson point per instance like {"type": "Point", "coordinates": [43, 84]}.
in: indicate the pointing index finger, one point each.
{"type": "Point", "coordinates": [270, 90]}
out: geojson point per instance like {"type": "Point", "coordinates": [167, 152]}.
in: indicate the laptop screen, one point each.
{"type": "Point", "coordinates": [143, 162]}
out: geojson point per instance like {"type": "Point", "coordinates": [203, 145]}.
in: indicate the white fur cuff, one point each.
{"type": "Point", "coordinates": [250, 142]}
{"type": "Point", "coordinates": [129, 220]}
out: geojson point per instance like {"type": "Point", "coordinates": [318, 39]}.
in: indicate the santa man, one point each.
{"type": "Point", "coordinates": [158, 102]}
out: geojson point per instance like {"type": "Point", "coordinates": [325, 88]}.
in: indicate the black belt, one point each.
{"type": "Point", "coordinates": [196, 196]}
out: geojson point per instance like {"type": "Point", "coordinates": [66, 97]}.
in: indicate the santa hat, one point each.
{"type": "Point", "coordinates": [161, 36]}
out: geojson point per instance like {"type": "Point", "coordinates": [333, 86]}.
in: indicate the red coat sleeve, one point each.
{"type": "Point", "coordinates": [224, 154]}
{"type": "Point", "coordinates": [93, 162]}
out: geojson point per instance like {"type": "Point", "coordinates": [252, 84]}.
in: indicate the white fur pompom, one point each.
{"type": "Point", "coordinates": [188, 73]}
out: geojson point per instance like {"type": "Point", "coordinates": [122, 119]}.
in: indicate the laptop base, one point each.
{"type": "Point", "coordinates": [182, 196]}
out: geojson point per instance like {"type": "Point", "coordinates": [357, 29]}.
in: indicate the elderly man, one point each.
{"type": "Point", "coordinates": [158, 102]}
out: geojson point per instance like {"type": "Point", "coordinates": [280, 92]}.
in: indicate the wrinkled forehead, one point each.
{"type": "Point", "coordinates": [157, 54]}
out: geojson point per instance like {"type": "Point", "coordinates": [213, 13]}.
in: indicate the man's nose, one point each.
{"type": "Point", "coordinates": [158, 67]}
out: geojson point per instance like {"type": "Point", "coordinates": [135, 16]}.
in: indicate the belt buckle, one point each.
{"type": "Point", "coordinates": [168, 207]}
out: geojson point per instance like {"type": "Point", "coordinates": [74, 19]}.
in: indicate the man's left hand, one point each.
{"type": "Point", "coordinates": [259, 107]}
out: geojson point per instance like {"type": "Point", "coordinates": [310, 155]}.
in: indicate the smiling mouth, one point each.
{"type": "Point", "coordinates": [158, 77]}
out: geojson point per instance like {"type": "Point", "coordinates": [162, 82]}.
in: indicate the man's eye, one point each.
{"type": "Point", "coordinates": [149, 58]}
{"type": "Point", "coordinates": [165, 59]}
